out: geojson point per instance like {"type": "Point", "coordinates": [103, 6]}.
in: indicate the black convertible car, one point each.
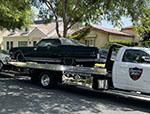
{"type": "Point", "coordinates": [61, 50]}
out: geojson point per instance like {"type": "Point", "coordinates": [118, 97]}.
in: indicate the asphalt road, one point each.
{"type": "Point", "coordinates": [19, 96]}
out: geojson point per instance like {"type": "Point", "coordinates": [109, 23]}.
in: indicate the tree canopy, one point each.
{"type": "Point", "coordinates": [14, 13]}
{"type": "Point", "coordinates": [87, 11]}
{"type": "Point", "coordinates": [143, 26]}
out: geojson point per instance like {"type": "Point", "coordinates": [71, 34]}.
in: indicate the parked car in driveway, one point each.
{"type": "Point", "coordinates": [103, 55]}
{"type": "Point", "coordinates": [57, 50]}
{"type": "Point", "coordinates": [4, 58]}
{"type": "Point", "coordinates": [103, 52]}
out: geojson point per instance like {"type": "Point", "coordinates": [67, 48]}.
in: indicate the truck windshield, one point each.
{"type": "Point", "coordinates": [49, 42]}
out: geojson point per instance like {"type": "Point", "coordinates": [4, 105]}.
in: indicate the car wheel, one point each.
{"type": "Point", "coordinates": [68, 61]}
{"type": "Point", "coordinates": [1, 65]}
{"type": "Point", "coordinates": [19, 57]}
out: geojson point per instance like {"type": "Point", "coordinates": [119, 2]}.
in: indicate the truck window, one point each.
{"type": "Point", "coordinates": [134, 56]}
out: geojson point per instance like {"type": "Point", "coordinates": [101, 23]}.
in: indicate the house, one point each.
{"type": "Point", "coordinates": [29, 36]}
{"type": "Point", "coordinates": [100, 36]}
{"type": "Point", "coordinates": [19, 38]}
{"type": "Point", "coordinates": [131, 30]}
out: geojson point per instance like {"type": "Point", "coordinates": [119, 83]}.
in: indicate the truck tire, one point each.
{"type": "Point", "coordinates": [95, 83]}
{"type": "Point", "coordinates": [50, 79]}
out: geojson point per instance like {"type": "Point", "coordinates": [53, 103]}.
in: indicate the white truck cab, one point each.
{"type": "Point", "coordinates": [131, 69]}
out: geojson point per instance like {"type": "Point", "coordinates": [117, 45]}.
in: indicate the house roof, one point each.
{"type": "Point", "coordinates": [44, 28]}
{"type": "Point", "coordinates": [4, 33]}
{"type": "Point", "coordinates": [47, 29]}
{"type": "Point", "coordinates": [111, 31]}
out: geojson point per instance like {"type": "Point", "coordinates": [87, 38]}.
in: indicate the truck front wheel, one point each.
{"type": "Point", "coordinates": [50, 79]}
{"type": "Point", "coordinates": [46, 80]}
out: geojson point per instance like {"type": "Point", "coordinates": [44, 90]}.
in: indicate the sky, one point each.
{"type": "Point", "coordinates": [125, 23]}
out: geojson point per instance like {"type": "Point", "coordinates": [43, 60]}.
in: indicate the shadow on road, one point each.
{"type": "Point", "coordinates": [20, 96]}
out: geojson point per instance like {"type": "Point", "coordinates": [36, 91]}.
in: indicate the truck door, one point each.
{"type": "Point", "coordinates": [133, 71]}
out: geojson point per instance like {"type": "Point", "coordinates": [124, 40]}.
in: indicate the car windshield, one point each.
{"type": "Point", "coordinates": [49, 42]}
{"type": "Point", "coordinates": [66, 41]}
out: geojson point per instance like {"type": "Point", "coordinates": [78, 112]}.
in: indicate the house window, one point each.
{"type": "Point", "coordinates": [11, 44]}
{"type": "Point", "coordinates": [22, 44]}
{"type": "Point", "coordinates": [7, 45]}
{"type": "Point", "coordinates": [34, 43]}
{"type": "Point", "coordinates": [86, 42]}
{"type": "Point", "coordinates": [90, 42]}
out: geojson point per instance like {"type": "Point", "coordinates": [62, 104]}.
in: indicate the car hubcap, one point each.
{"type": "Point", "coordinates": [20, 58]}
{"type": "Point", "coordinates": [45, 80]}
{"type": "Point", "coordinates": [68, 61]}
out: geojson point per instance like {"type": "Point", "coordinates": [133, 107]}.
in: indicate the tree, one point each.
{"type": "Point", "coordinates": [87, 11]}
{"type": "Point", "coordinates": [14, 13]}
{"type": "Point", "coordinates": [143, 26]}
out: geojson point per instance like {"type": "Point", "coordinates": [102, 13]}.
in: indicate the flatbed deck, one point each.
{"type": "Point", "coordinates": [63, 68]}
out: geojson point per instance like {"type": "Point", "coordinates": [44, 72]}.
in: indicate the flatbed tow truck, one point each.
{"type": "Point", "coordinates": [106, 80]}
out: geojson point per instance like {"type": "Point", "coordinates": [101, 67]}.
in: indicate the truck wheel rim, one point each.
{"type": "Point", "coordinates": [45, 80]}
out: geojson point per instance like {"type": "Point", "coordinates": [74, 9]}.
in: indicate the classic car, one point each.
{"type": "Point", "coordinates": [57, 50]}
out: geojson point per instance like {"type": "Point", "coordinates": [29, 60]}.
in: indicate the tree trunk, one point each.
{"type": "Point", "coordinates": [65, 3]}
{"type": "Point", "coordinates": [49, 5]}
{"type": "Point", "coordinates": [57, 27]}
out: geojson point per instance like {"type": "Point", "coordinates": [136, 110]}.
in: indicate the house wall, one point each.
{"type": "Point", "coordinates": [98, 38]}
{"type": "Point", "coordinates": [132, 32]}
{"type": "Point", "coordinates": [15, 41]}
{"type": "Point", "coordinates": [101, 38]}
{"type": "Point", "coordinates": [32, 38]}
{"type": "Point", "coordinates": [30, 41]}
{"type": "Point", "coordinates": [113, 37]}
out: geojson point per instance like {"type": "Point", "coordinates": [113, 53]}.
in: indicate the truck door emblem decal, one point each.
{"type": "Point", "coordinates": [135, 73]}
